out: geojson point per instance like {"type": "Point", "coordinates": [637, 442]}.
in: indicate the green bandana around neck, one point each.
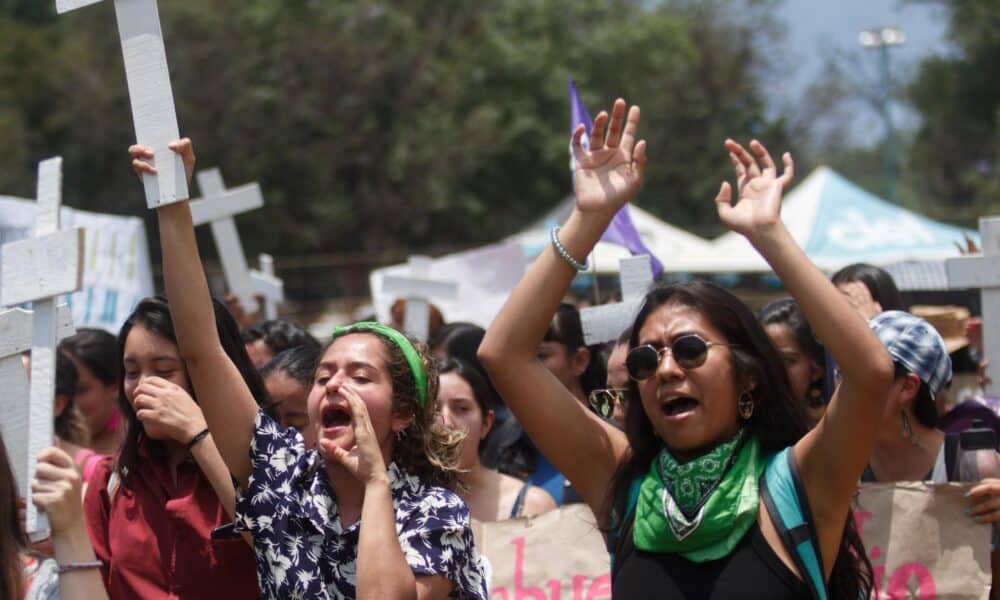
{"type": "Point", "coordinates": [700, 509]}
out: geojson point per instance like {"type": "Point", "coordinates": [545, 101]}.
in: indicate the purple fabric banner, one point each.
{"type": "Point", "coordinates": [622, 230]}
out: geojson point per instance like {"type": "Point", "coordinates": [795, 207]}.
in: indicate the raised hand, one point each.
{"type": "Point", "coordinates": [56, 490]}
{"type": "Point", "coordinates": [758, 207]}
{"type": "Point", "coordinates": [610, 172]}
{"type": "Point", "coordinates": [166, 409]}
{"type": "Point", "coordinates": [363, 461]}
{"type": "Point", "coordinates": [141, 154]}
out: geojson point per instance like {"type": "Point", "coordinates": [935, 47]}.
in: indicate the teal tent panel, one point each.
{"type": "Point", "coordinates": [853, 225]}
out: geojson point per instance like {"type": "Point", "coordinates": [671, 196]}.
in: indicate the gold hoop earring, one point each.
{"type": "Point", "coordinates": [746, 406]}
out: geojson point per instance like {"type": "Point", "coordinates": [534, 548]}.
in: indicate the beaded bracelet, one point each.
{"type": "Point", "coordinates": [78, 566]}
{"type": "Point", "coordinates": [197, 438]}
{"type": "Point", "coordinates": [561, 251]}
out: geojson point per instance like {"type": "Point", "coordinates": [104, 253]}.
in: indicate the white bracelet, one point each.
{"type": "Point", "coordinates": [561, 251]}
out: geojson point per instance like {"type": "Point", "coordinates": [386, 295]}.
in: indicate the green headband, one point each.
{"type": "Point", "coordinates": [409, 352]}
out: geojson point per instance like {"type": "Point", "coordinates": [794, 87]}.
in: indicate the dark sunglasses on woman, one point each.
{"type": "Point", "coordinates": [688, 351]}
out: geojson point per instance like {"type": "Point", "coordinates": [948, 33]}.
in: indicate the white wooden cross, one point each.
{"type": "Point", "coordinates": [150, 94]}
{"type": "Point", "coordinates": [606, 322]}
{"type": "Point", "coordinates": [15, 401]}
{"type": "Point", "coordinates": [267, 286]}
{"type": "Point", "coordinates": [418, 289]}
{"type": "Point", "coordinates": [983, 272]}
{"type": "Point", "coordinates": [38, 270]}
{"type": "Point", "coordinates": [218, 207]}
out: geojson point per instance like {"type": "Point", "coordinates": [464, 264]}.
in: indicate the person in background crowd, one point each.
{"type": "Point", "coordinates": [804, 356]}
{"type": "Point", "coordinates": [94, 353]}
{"type": "Point", "coordinates": [288, 378]}
{"type": "Point", "coordinates": [463, 402]}
{"type": "Point", "coordinates": [869, 289]}
{"type": "Point", "coordinates": [458, 340]}
{"type": "Point", "coordinates": [72, 574]}
{"type": "Point", "coordinates": [397, 313]}
{"type": "Point", "coordinates": [267, 339]}
{"type": "Point", "coordinates": [368, 509]}
{"type": "Point", "coordinates": [152, 508]}
{"type": "Point", "coordinates": [909, 445]}
{"type": "Point", "coordinates": [610, 402]}
{"type": "Point", "coordinates": [71, 434]}
{"type": "Point", "coordinates": [713, 406]}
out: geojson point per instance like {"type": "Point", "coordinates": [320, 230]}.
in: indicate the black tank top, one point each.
{"type": "Point", "coordinates": [751, 571]}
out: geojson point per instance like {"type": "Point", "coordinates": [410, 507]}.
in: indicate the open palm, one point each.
{"type": "Point", "coordinates": [759, 189]}
{"type": "Point", "coordinates": [609, 173]}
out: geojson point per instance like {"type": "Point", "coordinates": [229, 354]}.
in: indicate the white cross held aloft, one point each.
{"type": "Point", "coordinates": [418, 289]}
{"type": "Point", "coordinates": [983, 272]}
{"type": "Point", "coordinates": [15, 402]}
{"type": "Point", "coordinates": [38, 270]}
{"type": "Point", "coordinates": [218, 207]}
{"type": "Point", "coordinates": [149, 92]}
{"type": "Point", "coordinates": [606, 322]}
{"type": "Point", "coordinates": [268, 287]}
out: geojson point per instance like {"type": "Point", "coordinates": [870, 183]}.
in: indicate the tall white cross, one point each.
{"type": "Point", "coordinates": [150, 94]}
{"type": "Point", "coordinates": [418, 289]}
{"type": "Point", "coordinates": [38, 270]}
{"type": "Point", "coordinates": [218, 207]}
{"type": "Point", "coordinates": [606, 322]}
{"type": "Point", "coordinates": [268, 287]}
{"type": "Point", "coordinates": [983, 272]}
{"type": "Point", "coordinates": [15, 401]}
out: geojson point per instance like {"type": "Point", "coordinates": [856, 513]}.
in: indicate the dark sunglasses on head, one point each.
{"type": "Point", "coordinates": [689, 351]}
{"type": "Point", "coordinates": [603, 400]}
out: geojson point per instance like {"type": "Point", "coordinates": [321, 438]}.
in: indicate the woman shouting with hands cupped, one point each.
{"type": "Point", "coordinates": [714, 438]}
{"type": "Point", "coordinates": [367, 514]}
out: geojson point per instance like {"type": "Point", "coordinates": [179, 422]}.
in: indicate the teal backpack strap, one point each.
{"type": "Point", "coordinates": [620, 529]}
{"type": "Point", "coordinates": [787, 505]}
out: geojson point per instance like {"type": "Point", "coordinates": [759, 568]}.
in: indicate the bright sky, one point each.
{"type": "Point", "coordinates": [813, 27]}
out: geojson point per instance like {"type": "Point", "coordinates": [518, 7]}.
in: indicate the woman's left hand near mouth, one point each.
{"type": "Point", "coordinates": [364, 461]}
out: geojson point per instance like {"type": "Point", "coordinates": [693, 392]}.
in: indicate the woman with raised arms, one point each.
{"type": "Point", "coordinates": [679, 491]}
{"type": "Point", "coordinates": [364, 515]}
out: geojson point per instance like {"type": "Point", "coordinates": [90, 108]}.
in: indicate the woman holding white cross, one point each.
{"type": "Point", "coordinates": [367, 513]}
{"type": "Point", "coordinates": [715, 474]}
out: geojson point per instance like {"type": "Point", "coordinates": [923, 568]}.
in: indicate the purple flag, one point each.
{"type": "Point", "coordinates": [621, 231]}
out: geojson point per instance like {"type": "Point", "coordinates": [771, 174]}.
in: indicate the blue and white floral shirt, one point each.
{"type": "Point", "coordinates": [304, 551]}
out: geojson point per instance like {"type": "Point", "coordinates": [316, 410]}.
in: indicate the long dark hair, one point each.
{"type": "Point", "coordinates": [14, 541]}
{"type": "Point", "coordinates": [567, 329]}
{"type": "Point", "coordinates": [878, 281]}
{"type": "Point", "coordinates": [97, 350]}
{"type": "Point", "coordinates": [154, 314]}
{"type": "Point", "coordinates": [778, 420]}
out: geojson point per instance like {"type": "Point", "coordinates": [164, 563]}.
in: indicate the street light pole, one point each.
{"type": "Point", "coordinates": [881, 39]}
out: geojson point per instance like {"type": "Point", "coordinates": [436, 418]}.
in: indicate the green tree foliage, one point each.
{"type": "Point", "coordinates": [955, 151]}
{"type": "Point", "coordinates": [376, 126]}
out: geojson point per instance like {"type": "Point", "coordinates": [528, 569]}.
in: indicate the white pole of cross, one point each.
{"type": "Point", "coordinates": [15, 401]}
{"type": "Point", "coordinates": [418, 289]}
{"type": "Point", "coordinates": [606, 322]}
{"type": "Point", "coordinates": [218, 207]}
{"type": "Point", "coordinates": [38, 270]}
{"type": "Point", "coordinates": [983, 272]}
{"type": "Point", "coordinates": [267, 286]}
{"type": "Point", "coordinates": [149, 92]}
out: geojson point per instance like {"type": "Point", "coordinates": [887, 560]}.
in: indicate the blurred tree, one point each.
{"type": "Point", "coordinates": [376, 126]}
{"type": "Point", "coordinates": [956, 149]}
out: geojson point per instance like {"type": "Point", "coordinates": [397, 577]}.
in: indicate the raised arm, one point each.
{"type": "Point", "coordinates": [224, 397]}
{"type": "Point", "coordinates": [579, 444]}
{"type": "Point", "coordinates": [832, 456]}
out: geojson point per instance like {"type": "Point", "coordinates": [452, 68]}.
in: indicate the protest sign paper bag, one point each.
{"type": "Point", "coordinates": [928, 548]}
{"type": "Point", "coordinates": [559, 555]}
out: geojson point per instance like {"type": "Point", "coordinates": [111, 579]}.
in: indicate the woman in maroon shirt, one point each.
{"type": "Point", "coordinates": [151, 511]}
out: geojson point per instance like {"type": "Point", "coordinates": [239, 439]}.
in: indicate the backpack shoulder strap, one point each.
{"type": "Point", "coordinates": [621, 531]}
{"type": "Point", "coordinates": [787, 505]}
{"type": "Point", "coordinates": [951, 452]}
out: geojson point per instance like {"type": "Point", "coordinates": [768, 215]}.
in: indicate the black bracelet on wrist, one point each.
{"type": "Point", "coordinates": [197, 438]}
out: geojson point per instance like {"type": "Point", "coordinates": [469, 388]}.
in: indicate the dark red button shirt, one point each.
{"type": "Point", "coordinates": [153, 536]}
